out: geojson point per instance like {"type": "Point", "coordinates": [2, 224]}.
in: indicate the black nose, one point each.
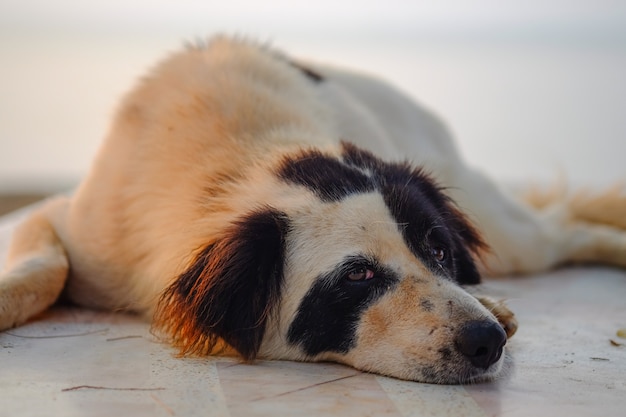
{"type": "Point", "coordinates": [481, 342]}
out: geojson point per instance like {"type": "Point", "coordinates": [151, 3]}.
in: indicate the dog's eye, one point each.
{"type": "Point", "coordinates": [360, 274]}
{"type": "Point", "coordinates": [439, 254]}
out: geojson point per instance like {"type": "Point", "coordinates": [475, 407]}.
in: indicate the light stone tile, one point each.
{"type": "Point", "coordinates": [302, 389]}
{"type": "Point", "coordinates": [426, 400]}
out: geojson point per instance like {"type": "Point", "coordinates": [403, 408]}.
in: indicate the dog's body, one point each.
{"type": "Point", "coordinates": [243, 198]}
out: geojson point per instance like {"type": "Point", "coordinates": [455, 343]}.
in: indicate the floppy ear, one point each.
{"type": "Point", "coordinates": [230, 289]}
{"type": "Point", "coordinates": [465, 268]}
{"type": "Point", "coordinates": [469, 246]}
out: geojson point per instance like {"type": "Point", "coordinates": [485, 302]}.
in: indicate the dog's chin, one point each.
{"type": "Point", "coordinates": [463, 374]}
{"type": "Point", "coordinates": [479, 376]}
{"type": "Point", "coordinates": [443, 373]}
{"type": "Point", "coordinates": [492, 373]}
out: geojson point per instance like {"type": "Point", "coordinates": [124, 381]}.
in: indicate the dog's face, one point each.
{"type": "Point", "coordinates": [367, 272]}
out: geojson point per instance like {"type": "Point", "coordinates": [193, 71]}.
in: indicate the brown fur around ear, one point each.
{"type": "Point", "coordinates": [229, 290]}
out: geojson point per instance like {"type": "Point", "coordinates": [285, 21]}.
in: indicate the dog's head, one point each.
{"type": "Point", "coordinates": [353, 260]}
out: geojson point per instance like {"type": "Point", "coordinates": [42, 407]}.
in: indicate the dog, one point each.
{"type": "Point", "coordinates": [249, 203]}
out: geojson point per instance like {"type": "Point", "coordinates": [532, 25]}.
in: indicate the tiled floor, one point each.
{"type": "Point", "coordinates": [73, 362]}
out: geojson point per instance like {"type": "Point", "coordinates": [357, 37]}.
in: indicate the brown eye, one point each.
{"type": "Point", "coordinates": [439, 253]}
{"type": "Point", "coordinates": [360, 274]}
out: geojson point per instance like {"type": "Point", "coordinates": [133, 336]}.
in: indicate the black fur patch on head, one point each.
{"type": "Point", "coordinates": [328, 314]}
{"type": "Point", "coordinates": [329, 178]}
{"type": "Point", "coordinates": [428, 219]}
{"type": "Point", "coordinates": [429, 223]}
{"type": "Point", "coordinates": [230, 289]}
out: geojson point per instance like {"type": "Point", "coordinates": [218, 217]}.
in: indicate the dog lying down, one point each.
{"type": "Point", "coordinates": [247, 202]}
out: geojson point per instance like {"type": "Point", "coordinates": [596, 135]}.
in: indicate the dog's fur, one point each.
{"type": "Point", "coordinates": [248, 202]}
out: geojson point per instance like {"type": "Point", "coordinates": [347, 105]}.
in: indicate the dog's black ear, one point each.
{"type": "Point", "coordinates": [469, 247]}
{"type": "Point", "coordinates": [230, 289]}
{"type": "Point", "coordinates": [465, 268]}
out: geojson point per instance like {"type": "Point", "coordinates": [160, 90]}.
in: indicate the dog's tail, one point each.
{"type": "Point", "coordinates": [597, 218]}
{"type": "Point", "coordinates": [36, 268]}
{"type": "Point", "coordinates": [607, 207]}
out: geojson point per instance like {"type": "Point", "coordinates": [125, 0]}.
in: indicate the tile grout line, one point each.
{"type": "Point", "coordinates": [305, 388]}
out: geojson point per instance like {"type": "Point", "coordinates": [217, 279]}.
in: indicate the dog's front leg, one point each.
{"type": "Point", "coordinates": [35, 271]}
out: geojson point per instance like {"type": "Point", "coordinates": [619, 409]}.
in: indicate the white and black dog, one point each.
{"type": "Point", "coordinates": [246, 202]}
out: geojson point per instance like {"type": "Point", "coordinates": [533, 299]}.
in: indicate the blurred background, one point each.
{"type": "Point", "coordinates": [532, 89]}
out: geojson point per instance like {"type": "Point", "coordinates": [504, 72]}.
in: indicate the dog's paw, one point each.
{"type": "Point", "coordinates": [505, 316]}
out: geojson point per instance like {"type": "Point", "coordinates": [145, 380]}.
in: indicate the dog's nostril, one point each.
{"type": "Point", "coordinates": [481, 342]}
